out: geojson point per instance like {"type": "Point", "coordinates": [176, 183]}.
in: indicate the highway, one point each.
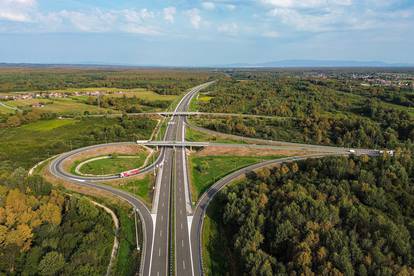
{"type": "Point", "coordinates": [200, 210]}
{"type": "Point", "coordinates": [157, 223]}
{"type": "Point", "coordinates": [171, 197]}
{"type": "Point", "coordinates": [139, 207]}
{"type": "Point", "coordinates": [172, 229]}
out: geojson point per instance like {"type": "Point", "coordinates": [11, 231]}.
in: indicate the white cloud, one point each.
{"type": "Point", "coordinates": [208, 6]}
{"type": "Point", "coordinates": [16, 10]}
{"type": "Point", "coordinates": [195, 18]}
{"type": "Point", "coordinates": [271, 34]}
{"type": "Point", "coordinates": [98, 21]}
{"type": "Point", "coordinates": [331, 15]}
{"type": "Point", "coordinates": [169, 14]}
{"type": "Point", "coordinates": [229, 28]}
{"type": "Point", "coordinates": [297, 4]}
{"type": "Point", "coordinates": [230, 7]}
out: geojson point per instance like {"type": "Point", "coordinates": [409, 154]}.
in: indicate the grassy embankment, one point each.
{"type": "Point", "coordinates": [206, 170]}
{"type": "Point", "coordinates": [140, 187]}
{"type": "Point", "coordinates": [216, 254]}
{"type": "Point", "coordinates": [193, 135]}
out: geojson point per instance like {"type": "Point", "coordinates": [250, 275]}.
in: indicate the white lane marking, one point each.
{"type": "Point", "coordinates": [163, 204]}
{"type": "Point", "coordinates": [159, 252]}
{"type": "Point", "coordinates": [154, 222]}
{"type": "Point", "coordinates": [160, 233]}
{"type": "Point", "coordinates": [189, 222]}
{"type": "Point", "coordinates": [183, 264]}
{"type": "Point", "coordinates": [181, 212]}
{"type": "Point", "coordinates": [162, 217]}
{"type": "Point", "coordinates": [182, 243]}
{"type": "Point", "coordinates": [181, 226]}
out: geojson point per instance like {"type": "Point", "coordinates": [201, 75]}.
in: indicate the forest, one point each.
{"type": "Point", "coordinates": [308, 111]}
{"type": "Point", "coordinates": [162, 81]}
{"type": "Point", "coordinates": [46, 232]}
{"type": "Point", "coordinates": [330, 216]}
{"type": "Point", "coordinates": [129, 104]}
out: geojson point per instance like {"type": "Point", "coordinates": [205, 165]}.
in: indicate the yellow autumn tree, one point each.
{"type": "Point", "coordinates": [21, 236]}
{"type": "Point", "coordinates": [50, 213]}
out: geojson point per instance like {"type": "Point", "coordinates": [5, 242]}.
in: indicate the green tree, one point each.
{"type": "Point", "coordinates": [51, 263]}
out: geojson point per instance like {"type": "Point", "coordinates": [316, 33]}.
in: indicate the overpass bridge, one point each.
{"type": "Point", "coordinates": [281, 146]}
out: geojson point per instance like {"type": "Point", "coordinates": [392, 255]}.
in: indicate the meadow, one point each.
{"type": "Point", "coordinates": [206, 170]}
{"type": "Point", "coordinates": [113, 165]}
{"type": "Point", "coordinates": [26, 145]}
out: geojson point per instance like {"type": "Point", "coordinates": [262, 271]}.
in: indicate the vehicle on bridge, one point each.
{"type": "Point", "coordinates": [390, 152]}
{"type": "Point", "coordinates": [129, 173]}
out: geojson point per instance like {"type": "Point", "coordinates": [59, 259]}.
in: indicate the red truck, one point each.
{"type": "Point", "coordinates": [129, 173]}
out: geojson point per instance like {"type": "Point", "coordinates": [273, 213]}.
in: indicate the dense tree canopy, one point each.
{"type": "Point", "coordinates": [335, 216]}
{"type": "Point", "coordinates": [308, 110]}
{"type": "Point", "coordinates": [45, 232]}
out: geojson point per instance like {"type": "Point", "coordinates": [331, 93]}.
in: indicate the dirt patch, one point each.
{"type": "Point", "coordinates": [82, 190]}
{"type": "Point", "coordinates": [118, 149]}
{"type": "Point", "coordinates": [245, 151]}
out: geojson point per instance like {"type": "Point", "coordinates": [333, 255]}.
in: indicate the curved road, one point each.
{"type": "Point", "coordinates": [201, 208]}
{"type": "Point", "coordinates": [156, 227]}
{"type": "Point", "coordinates": [172, 220]}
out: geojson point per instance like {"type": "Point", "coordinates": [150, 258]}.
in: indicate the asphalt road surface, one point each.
{"type": "Point", "coordinates": [172, 232]}
{"type": "Point", "coordinates": [172, 198]}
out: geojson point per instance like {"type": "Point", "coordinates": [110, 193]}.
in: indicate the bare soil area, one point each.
{"type": "Point", "coordinates": [245, 151]}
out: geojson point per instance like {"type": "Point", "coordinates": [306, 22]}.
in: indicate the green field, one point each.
{"type": "Point", "coordinates": [49, 124]}
{"type": "Point", "coordinates": [25, 146]}
{"type": "Point", "coordinates": [141, 187]}
{"type": "Point", "coordinates": [74, 105]}
{"type": "Point", "coordinates": [206, 170]}
{"type": "Point", "coordinates": [193, 135]}
{"type": "Point", "coordinates": [6, 110]}
{"type": "Point", "coordinates": [114, 165]}
{"type": "Point", "coordinates": [64, 106]}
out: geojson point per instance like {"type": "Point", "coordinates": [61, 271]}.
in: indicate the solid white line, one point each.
{"type": "Point", "coordinates": [189, 220]}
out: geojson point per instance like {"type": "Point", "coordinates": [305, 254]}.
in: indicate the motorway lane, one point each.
{"type": "Point", "coordinates": [200, 210]}
{"type": "Point", "coordinates": [139, 207]}
{"type": "Point", "coordinates": [151, 263]}
{"type": "Point", "coordinates": [160, 248]}
{"type": "Point", "coordinates": [58, 162]}
{"type": "Point", "coordinates": [183, 257]}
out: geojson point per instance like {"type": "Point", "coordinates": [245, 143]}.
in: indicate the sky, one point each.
{"type": "Point", "coordinates": [205, 33]}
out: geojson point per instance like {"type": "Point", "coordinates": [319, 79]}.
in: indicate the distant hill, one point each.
{"type": "Point", "coordinates": [319, 63]}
